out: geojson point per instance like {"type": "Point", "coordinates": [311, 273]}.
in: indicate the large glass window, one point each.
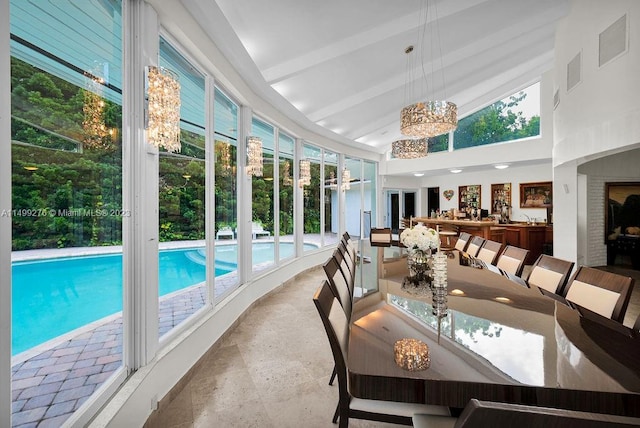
{"type": "Point", "coordinates": [226, 199]}
{"type": "Point", "coordinates": [331, 217]}
{"type": "Point", "coordinates": [512, 118]}
{"type": "Point", "coordinates": [262, 200]}
{"type": "Point", "coordinates": [353, 198]}
{"type": "Point", "coordinates": [66, 80]}
{"type": "Point", "coordinates": [181, 195]}
{"type": "Point", "coordinates": [286, 145]}
{"type": "Point", "coordinates": [311, 195]}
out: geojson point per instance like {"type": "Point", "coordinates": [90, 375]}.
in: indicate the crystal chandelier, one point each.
{"type": "Point", "coordinates": [346, 179]}
{"type": "Point", "coordinates": [409, 148]}
{"type": "Point", "coordinates": [305, 173]}
{"type": "Point", "coordinates": [225, 158]}
{"type": "Point", "coordinates": [93, 105]}
{"type": "Point", "coordinates": [428, 118]}
{"type": "Point", "coordinates": [286, 175]}
{"type": "Point", "coordinates": [254, 156]}
{"type": "Point", "coordinates": [163, 111]}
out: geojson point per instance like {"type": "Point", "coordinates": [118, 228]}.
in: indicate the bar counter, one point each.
{"type": "Point", "coordinates": [528, 236]}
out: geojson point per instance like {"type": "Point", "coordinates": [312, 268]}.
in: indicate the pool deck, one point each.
{"type": "Point", "coordinates": [53, 380]}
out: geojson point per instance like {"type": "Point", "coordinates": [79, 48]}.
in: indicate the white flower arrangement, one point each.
{"type": "Point", "coordinates": [420, 238]}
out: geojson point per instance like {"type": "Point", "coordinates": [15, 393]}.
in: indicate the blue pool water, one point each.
{"type": "Point", "coordinates": [54, 296]}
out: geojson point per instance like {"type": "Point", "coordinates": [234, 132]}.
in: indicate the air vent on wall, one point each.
{"type": "Point", "coordinates": [612, 42]}
{"type": "Point", "coordinates": [574, 71]}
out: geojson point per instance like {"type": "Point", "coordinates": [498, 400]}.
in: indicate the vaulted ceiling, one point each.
{"type": "Point", "coordinates": [342, 65]}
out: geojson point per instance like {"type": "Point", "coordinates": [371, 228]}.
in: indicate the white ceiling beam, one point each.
{"type": "Point", "coordinates": [360, 40]}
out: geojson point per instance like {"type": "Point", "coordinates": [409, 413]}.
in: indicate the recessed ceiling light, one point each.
{"type": "Point", "coordinates": [503, 299]}
{"type": "Point", "coordinates": [457, 292]}
{"type": "Point", "coordinates": [501, 166]}
{"type": "Point", "coordinates": [455, 171]}
{"type": "Point", "coordinates": [418, 174]}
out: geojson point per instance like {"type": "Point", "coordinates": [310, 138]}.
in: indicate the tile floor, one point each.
{"type": "Point", "coordinates": [275, 373]}
{"type": "Point", "coordinates": [264, 374]}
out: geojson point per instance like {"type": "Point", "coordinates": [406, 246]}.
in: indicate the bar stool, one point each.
{"type": "Point", "coordinates": [446, 233]}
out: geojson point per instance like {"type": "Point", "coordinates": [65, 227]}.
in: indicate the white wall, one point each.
{"type": "Point", "coordinates": [598, 117]}
{"type": "Point", "coordinates": [513, 175]}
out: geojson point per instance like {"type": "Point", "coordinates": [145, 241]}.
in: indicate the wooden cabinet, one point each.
{"type": "Point", "coordinates": [529, 237]}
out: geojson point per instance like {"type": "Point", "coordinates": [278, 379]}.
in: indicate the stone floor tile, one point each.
{"type": "Point", "coordinates": [39, 401]}
{"type": "Point", "coordinates": [74, 382]}
{"type": "Point", "coordinates": [40, 390]}
{"type": "Point", "coordinates": [55, 377]}
{"type": "Point", "coordinates": [74, 393]}
{"type": "Point", "coordinates": [27, 382]}
{"type": "Point", "coordinates": [27, 416]}
{"type": "Point", "coordinates": [24, 373]}
{"type": "Point", "coordinates": [58, 409]}
{"type": "Point", "coordinates": [17, 405]}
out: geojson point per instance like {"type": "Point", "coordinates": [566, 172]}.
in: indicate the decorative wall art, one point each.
{"type": "Point", "coordinates": [448, 194]}
{"type": "Point", "coordinates": [536, 195]}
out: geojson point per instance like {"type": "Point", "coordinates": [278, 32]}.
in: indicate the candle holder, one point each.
{"type": "Point", "coordinates": [412, 354]}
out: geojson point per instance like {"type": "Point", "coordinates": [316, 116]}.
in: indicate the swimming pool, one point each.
{"type": "Point", "coordinates": [51, 297]}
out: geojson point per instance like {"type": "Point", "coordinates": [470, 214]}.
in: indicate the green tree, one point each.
{"type": "Point", "coordinates": [498, 122]}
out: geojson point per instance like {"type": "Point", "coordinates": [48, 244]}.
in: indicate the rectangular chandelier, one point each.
{"type": "Point", "coordinates": [305, 173]}
{"type": "Point", "coordinates": [254, 156]}
{"type": "Point", "coordinates": [163, 109]}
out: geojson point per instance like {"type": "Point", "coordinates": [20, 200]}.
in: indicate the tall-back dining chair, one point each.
{"type": "Point", "coordinates": [512, 260]}
{"type": "Point", "coordinates": [349, 256]}
{"type": "Point", "coordinates": [603, 292]}
{"type": "Point", "coordinates": [474, 246]}
{"type": "Point", "coordinates": [380, 237]}
{"type": "Point", "coordinates": [479, 413]}
{"type": "Point", "coordinates": [339, 284]}
{"type": "Point", "coordinates": [342, 257]}
{"type": "Point", "coordinates": [490, 251]}
{"type": "Point", "coordinates": [337, 328]}
{"type": "Point", "coordinates": [339, 281]}
{"type": "Point", "coordinates": [463, 240]}
{"type": "Point", "coordinates": [550, 273]}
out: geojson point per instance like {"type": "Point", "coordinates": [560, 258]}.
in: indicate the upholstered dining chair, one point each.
{"type": "Point", "coordinates": [463, 240]}
{"type": "Point", "coordinates": [349, 256]}
{"type": "Point", "coordinates": [337, 328]}
{"type": "Point", "coordinates": [602, 292]}
{"type": "Point", "coordinates": [338, 281]}
{"type": "Point", "coordinates": [344, 261]}
{"type": "Point", "coordinates": [474, 246]}
{"type": "Point", "coordinates": [490, 251]}
{"type": "Point", "coordinates": [550, 273]}
{"type": "Point", "coordinates": [380, 237]}
{"type": "Point", "coordinates": [506, 415]}
{"type": "Point", "coordinates": [512, 260]}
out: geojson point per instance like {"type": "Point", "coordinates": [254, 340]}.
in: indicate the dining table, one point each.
{"type": "Point", "coordinates": [500, 339]}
